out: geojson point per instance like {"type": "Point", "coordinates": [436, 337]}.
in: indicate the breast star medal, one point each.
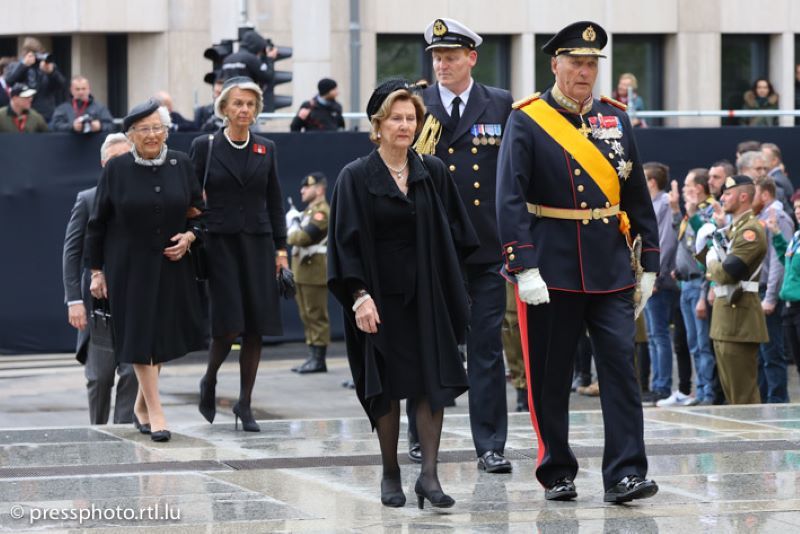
{"type": "Point", "coordinates": [624, 169]}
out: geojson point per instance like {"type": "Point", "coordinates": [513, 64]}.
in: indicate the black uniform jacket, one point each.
{"type": "Point", "coordinates": [444, 236]}
{"type": "Point", "coordinates": [251, 203]}
{"type": "Point", "coordinates": [589, 256]}
{"type": "Point", "coordinates": [474, 167]}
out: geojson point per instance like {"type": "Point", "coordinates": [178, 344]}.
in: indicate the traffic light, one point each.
{"type": "Point", "coordinates": [217, 54]}
{"type": "Point", "coordinates": [271, 100]}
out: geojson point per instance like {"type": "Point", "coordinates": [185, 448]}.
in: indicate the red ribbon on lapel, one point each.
{"type": "Point", "coordinates": [259, 149]}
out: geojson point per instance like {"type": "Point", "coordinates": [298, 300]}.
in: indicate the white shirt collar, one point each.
{"type": "Point", "coordinates": [447, 97]}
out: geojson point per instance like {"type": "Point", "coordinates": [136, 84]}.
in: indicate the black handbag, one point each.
{"type": "Point", "coordinates": [286, 287]}
{"type": "Point", "coordinates": [101, 334]}
{"type": "Point", "coordinates": [198, 250]}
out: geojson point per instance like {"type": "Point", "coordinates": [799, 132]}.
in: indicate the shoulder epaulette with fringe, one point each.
{"type": "Point", "coordinates": [525, 101]}
{"type": "Point", "coordinates": [615, 103]}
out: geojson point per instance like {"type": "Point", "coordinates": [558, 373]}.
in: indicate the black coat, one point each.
{"type": "Point", "coordinates": [444, 236]}
{"type": "Point", "coordinates": [472, 164]}
{"type": "Point", "coordinates": [49, 87]}
{"type": "Point", "coordinates": [64, 115]}
{"type": "Point", "coordinates": [154, 302]}
{"type": "Point", "coordinates": [323, 117]}
{"type": "Point", "coordinates": [252, 203]}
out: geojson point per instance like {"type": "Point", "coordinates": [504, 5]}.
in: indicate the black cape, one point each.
{"type": "Point", "coordinates": [444, 237]}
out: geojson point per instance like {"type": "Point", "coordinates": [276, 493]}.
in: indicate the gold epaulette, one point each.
{"type": "Point", "coordinates": [615, 103]}
{"type": "Point", "coordinates": [428, 136]}
{"type": "Point", "coordinates": [525, 101]}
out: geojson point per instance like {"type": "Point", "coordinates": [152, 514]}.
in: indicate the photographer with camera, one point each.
{"type": "Point", "coordinates": [37, 70]}
{"type": "Point", "coordinates": [254, 59]}
{"type": "Point", "coordinates": [82, 114]}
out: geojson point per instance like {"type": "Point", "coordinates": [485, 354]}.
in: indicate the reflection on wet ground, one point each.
{"type": "Point", "coordinates": [720, 469]}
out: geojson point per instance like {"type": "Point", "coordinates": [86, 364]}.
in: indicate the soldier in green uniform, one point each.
{"type": "Point", "coordinates": [308, 236]}
{"type": "Point", "coordinates": [738, 325]}
{"type": "Point", "coordinates": [512, 347]}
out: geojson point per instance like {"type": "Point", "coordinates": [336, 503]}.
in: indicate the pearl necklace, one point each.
{"type": "Point", "coordinates": [398, 172]}
{"type": "Point", "coordinates": [233, 143]}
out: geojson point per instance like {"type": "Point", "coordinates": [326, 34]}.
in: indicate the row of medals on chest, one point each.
{"type": "Point", "coordinates": [608, 129]}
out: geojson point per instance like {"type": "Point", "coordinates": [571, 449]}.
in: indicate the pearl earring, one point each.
{"type": "Point", "coordinates": [378, 135]}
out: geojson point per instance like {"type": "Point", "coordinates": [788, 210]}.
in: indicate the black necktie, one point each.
{"type": "Point", "coordinates": [455, 113]}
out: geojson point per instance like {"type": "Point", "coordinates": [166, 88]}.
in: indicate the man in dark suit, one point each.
{"type": "Point", "coordinates": [570, 194]}
{"type": "Point", "coordinates": [467, 119]}
{"type": "Point", "coordinates": [99, 364]}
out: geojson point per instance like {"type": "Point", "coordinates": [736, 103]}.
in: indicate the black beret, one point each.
{"type": "Point", "coordinates": [383, 90]}
{"type": "Point", "coordinates": [736, 181]}
{"type": "Point", "coordinates": [314, 178]}
{"type": "Point", "coordinates": [139, 112]}
{"type": "Point", "coordinates": [584, 38]}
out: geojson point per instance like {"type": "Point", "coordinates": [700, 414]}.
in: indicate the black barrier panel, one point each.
{"type": "Point", "coordinates": [41, 174]}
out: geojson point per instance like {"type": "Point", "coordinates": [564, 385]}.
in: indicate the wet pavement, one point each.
{"type": "Point", "coordinates": [315, 466]}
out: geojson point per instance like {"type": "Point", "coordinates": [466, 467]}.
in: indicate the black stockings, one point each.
{"type": "Point", "coordinates": [249, 358]}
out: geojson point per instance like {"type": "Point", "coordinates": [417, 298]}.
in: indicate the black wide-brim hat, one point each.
{"type": "Point", "coordinates": [381, 92]}
{"type": "Point", "coordinates": [584, 38]}
{"type": "Point", "coordinates": [139, 112]}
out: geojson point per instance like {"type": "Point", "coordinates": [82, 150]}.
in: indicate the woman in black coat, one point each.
{"type": "Point", "coordinates": [142, 226]}
{"type": "Point", "coordinates": [398, 232]}
{"type": "Point", "coordinates": [246, 240]}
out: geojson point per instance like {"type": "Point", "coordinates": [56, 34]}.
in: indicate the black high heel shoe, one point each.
{"type": "Point", "coordinates": [143, 428]}
{"type": "Point", "coordinates": [161, 435]}
{"type": "Point", "coordinates": [207, 404]}
{"type": "Point", "coordinates": [248, 421]}
{"type": "Point", "coordinates": [391, 496]}
{"type": "Point", "coordinates": [437, 498]}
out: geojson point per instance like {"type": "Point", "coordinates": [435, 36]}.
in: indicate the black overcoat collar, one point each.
{"type": "Point", "coordinates": [221, 154]}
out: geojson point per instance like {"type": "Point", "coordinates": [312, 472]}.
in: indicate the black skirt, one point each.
{"type": "Point", "coordinates": [242, 289]}
{"type": "Point", "coordinates": [401, 370]}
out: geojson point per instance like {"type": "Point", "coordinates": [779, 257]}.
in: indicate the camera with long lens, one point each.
{"type": "Point", "coordinates": [47, 57]}
{"type": "Point", "coordinates": [86, 122]}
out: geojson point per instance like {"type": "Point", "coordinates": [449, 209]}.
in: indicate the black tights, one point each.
{"type": "Point", "coordinates": [429, 429]}
{"type": "Point", "coordinates": [249, 358]}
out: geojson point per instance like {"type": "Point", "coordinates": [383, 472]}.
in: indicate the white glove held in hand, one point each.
{"type": "Point", "coordinates": [711, 257]}
{"type": "Point", "coordinates": [646, 287]}
{"type": "Point", "coordinates": [292, 217]}
{"type": "Point", "coordinates": [532, 289]}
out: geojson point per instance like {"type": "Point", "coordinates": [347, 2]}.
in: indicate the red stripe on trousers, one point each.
{"type": "Point", "coordinates": [522, 317]}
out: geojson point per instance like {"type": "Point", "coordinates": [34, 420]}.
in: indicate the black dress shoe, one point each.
{"type": "Point", "coordinates": [437, 498]}
{"type": "Point", "coordinates": [315, 364]}
{"type": "Point", "coordinates": [248, 421]}
{"type": "Point", "coordinates": [562, 489]}
{"type": "Point", "coordinates": [494, 462]}
{"type": "Point", "coordinates": [630, 488]}
{"type": "Point", "coordinates": [143, 428]}
{"type": "Point", "coordinates": [160, 435]}
{"type": "Point", "coordinates": [415, 452]}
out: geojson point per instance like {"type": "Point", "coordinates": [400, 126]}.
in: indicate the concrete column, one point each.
{"type": "Point", "coordinates": [89, 59]}
{"type": "Point", "coordinates": [781, 71]}
{"type": "Point", "coordinates": [312, 48]}
{"type": "Point", "coordinates": [148, 65]}
{"type": "Point", "coordinates": [698, 72]}
{"type": "Point", "coordinates": [523, 56]}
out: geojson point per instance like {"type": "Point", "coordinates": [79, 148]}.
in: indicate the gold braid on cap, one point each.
{"type": "Point", "coordinates": [429, 136]}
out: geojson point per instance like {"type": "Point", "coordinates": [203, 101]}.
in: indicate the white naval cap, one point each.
{"type": "Point", "coordinates": [449, 33]}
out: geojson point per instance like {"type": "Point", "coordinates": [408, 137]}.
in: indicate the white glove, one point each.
{"type": "Point", "coordinates": [703, 233]}
{"type": "Point", "coordinates": [292, 217]}
{"type": "Point", "coordinates": [646, 285]}
{"type": "Point", "coordinates": [532, 289]}
{"type": "Point", "coordinates": [711, 257]}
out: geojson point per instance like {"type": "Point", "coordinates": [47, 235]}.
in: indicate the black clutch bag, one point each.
{"type": "Point", "coordinates": [101, 334]}
{"type": "Point", "coordinates": [286, 287]}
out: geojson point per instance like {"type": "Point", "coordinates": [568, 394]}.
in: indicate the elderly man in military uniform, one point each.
{"type": "Point", "coordinates": [578, 233]}
{"type": "Point", "coordinates": [463, 128]}
{"type": "Point", "coordinates": [733, 260]}
{"type": "Point", "coordinates": [308, 235]}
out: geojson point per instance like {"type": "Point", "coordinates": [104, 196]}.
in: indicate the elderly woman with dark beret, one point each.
{"type": "Point", "coordinates": [398, 234]}
{"type": "Point", "coordinates": [245, 240]}
{"type": "Point", "coordinates": [144, 220]}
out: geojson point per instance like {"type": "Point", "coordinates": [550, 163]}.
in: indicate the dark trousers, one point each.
{"type": "Point", "coordinates": [583, 356]}
{"type": "Point", "coordinates": [772, 376]}
{"type": "Point", "coordinates": [551, 331]}
{"type": "Point", "coordinates": [488, 413]}
{"type": "Point", "coordinates": [791, 331]}
{"type": "Point", "coordinates": [681, 346]}
{"type": "Point", "coordinates": [99, 371]}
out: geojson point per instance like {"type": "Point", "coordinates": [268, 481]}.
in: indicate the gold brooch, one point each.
{"type": "Point", "coordinates": [589, 34]}
{"type": "Point", "coordinates": [439, 28]}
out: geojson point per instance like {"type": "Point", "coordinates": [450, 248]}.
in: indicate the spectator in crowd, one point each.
{"type": "Point", "coordinates": [786, 252]}
{"type": "Point", "coordinates": [37, 70]}
{"type": "Point", "coordinates": [254, 59]}
{"type": "Point", "coordinates": [308, 235]}
{"type": "Point", "coordinates": [752, 164]}
{"type": "Point", "coordinates": [148, 200]}
{"type": "Point", "coordinates": [204, 118]}
{"type": "Point", "coordinates": [774, 160]}
{"type": "Point", "coordinates": [717, 173]}
{"type": "Point", "coordinates": [321, 113]}
{"type": "Point", "coordinates": [397, 239]}
{"type": "Point", "coordinates": [179, 122]}
{"type": "Point", "coordinates": [747, 146]}
{"type": "Point", "coordinates": [100, 366]}
{"type": "Point", "coordinates": [761, 96]}
{"type": "Point", "coordinates": [18, 117]}
{"type": "Point", "coordinates": [82, 114]}
{"type": "Point", "coordinates": [737, 323]}
{"type": "Point", "coordinates": [5, 88]}
{"type": "Point", "coordinates": [771, 358]}
{"type": "Point", "coordinates": [246, 241]}
{"type": "Point", "coordinates": [626, 92]}
{"type": "Point", "coordinates": [659, 308]}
